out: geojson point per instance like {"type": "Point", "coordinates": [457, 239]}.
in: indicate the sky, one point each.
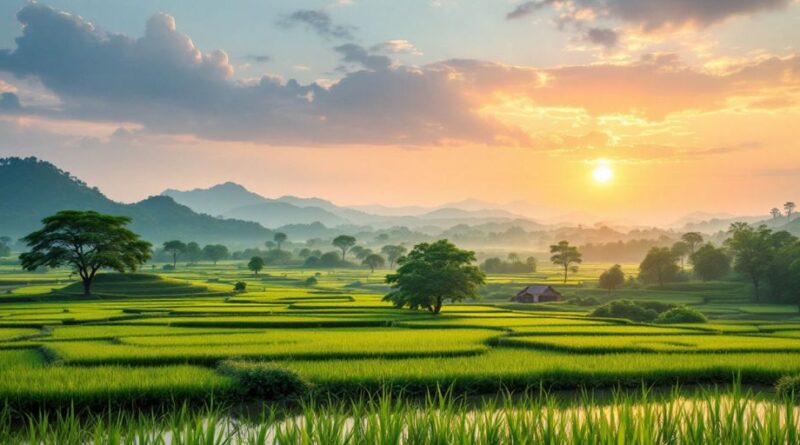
{"type": "Point", "coordinates": [684, 105]}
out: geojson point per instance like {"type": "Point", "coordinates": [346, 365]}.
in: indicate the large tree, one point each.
{"type": "Point", "coordinates": [680, 249]}
{"type": "Point", "coordinates": [372, 261]}
{"type": "Point", "coordinates": [565, 255]}
{"type": "Point", "coordinates": [711, 263]}
{"type": "Point", "coordinates": [753, 251]}
{"type": "Point", "coordinates": [86, 241]}
{"type": "Point", "coordinates": [659, 266]}
{"type": "Point", "coordinates": [193, 252]}
{"type": "Point", "coordinates": [612, 278]}
{"type": "Point", "coordinates": [344, 243]}
{"type": "Point", "coordinates": [279, 239]}
{"type": "Point", "coordinates": [393, 253]}
{"type": "Point", "coordinates": [215, 252]}
{"type": "Point", "coordinates": [175, 248]}
{"type": "Point", "coordinates": [433, 273]}
{"type": "Point", "coordinates": [693, 239]}
{"type": "Point", "coordinates": [256, 264]}
{"type": "Point", "coordinates": [775, 212]}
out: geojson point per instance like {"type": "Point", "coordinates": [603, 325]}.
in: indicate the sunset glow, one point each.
{"type": "Point", "coordinates": [319, 101]}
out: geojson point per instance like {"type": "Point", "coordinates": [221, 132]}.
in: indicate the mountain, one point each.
{"type": "Point", "coordinates": [456, 213]}
{"type": "Point", "coordinates": [31, 189]}
{"type": "Point", "coordinates": [274, 213]}
{"type": "Point", "coordinates": [216, 200]}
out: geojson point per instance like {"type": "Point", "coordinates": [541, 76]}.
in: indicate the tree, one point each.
{"type": "Point", "coordinates": [279, 239]}
{"type": "Point", "coordinates": [711, 263]}
{"type": "Point", "coordinates": [433, 273]}
{"type": "Point", "coordinates": [361, 252]}
{"type": "Point", "coordinates": [373, 260]}
{"type": "Point", "coordinates": [193, 252]}
{"type": "Point", "coordinates": [269, 245]}
{"type": "Point", "coordinates": [513, 257]}
{"type": "Point", "coordinates": [658, 266]}
{"type": "Point", "coordinates": [564, 255]}
{"type": "Point", "coordinates": [174, 248]}
{"type": "Point", "coordinates": [5, 248]}
{"type": "Point", "coordinates": [256, 264]}
{"type": "Point", "coordinates": [679, 250]}
{"type": "Point", "coordinates": [612, 278]}
{"type": "Point", "coordinates": [215, 252]}
{"type": "Point", "coordinates": [88, 242]}
{"type": "Point", "coordinates": [344, 243]}
{"type": "Point", "coordinates": [775, 212]}
{"type": "Point", "coordinates": [753, 253]}
{"type": "Point", "coordinates": [693, 239]}
{"type": "Point", "coordinates": [393, 253]}
{"type": "Point", "coordinates": [789, 207]}
{"type": "Point", "coordinates": [531, 263]}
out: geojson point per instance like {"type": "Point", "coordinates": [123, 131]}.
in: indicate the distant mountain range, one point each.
{"type": "Point", "coordinates": [234, 201]}
{"type": "Point", "coordinates": [31, 189]}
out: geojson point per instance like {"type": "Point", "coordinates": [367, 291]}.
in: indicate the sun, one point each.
{"type": "Point", "coordinates": [603, 174]}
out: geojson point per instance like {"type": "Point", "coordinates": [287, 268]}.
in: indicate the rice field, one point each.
{"type": "Point", "coordinates": [186, 337]}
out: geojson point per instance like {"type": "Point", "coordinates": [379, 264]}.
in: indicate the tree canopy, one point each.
{"type": "Point", "coordinates": [175, 248]}
{"type": "Point", "coordinates": [393, 253]}
{"type": "Point", "coordinates": [86, 241]}
{"type": "Point", "coordinates": [711, 263]}
{"type": "Point", "coordinates": [215, 252]}
{"type": "Point", "coordinates": [279, 239]}
{"type": "Point", "coordinates": [373, 260]}
{"type": "Point", "coordinates": [256, 264]}
{"type": "Point", "coordinates": [433, 273]}
{"type": "Point", "coordinates": [612, 278]}
{"type": "Point", "coordinates": [659, 266]}
{"type": "Point", "coordinates": [565, 255]}
{"type": "Point", "coordinates": [344, 243]}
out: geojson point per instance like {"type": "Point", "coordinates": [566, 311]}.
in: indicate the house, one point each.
{"type": "Point", "coordinates": [537, 294]}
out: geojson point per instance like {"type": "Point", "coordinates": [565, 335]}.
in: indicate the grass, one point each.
{"type": "Point", "coordinates": [278, 344]}
{"type": "Point", "coordinates": [665, 343]}
{"type": "Point", "coordinates": [725, 416]}
{"type": "Point", "coordinates": [175, 327]}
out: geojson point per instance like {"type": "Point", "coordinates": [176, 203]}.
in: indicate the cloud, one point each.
{"type": "Point", "coordinates": [9, 102]}
{"type": "Point", "coordinates": [653, 15]}
{"type": "Point", "coordinates": [352, 53]}
{"type": "Point", "coordinates": [320, 22]}
{"type": "Point", "coordinates": [258, 58]}
{"type": "Point", "coordinates": [605, 37]}
{"type": "Point", "coordinates": [527, 8]}
{"type": "Point", "coordinates": [396, 46]}
{"type": "Point", "coordinates": [163, 82]}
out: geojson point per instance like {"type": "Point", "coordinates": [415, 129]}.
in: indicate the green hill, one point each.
{"type": "Point", "coordinates": [31, 189]}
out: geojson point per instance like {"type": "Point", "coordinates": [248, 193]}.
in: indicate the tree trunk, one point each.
{"type": "Point", "coordinates": [175, 260]}
{"type": "Point", "coordinates": [87, 287]}
{"type": "Point", "coordinates": [566, 267]}
{"type": "Point", "coordinates": [438, 306]}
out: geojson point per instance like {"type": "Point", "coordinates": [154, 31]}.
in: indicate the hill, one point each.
{"type": "Point", "coordinates": [140, 285]}
{"type": "Point", "coordinates": [31, 189]}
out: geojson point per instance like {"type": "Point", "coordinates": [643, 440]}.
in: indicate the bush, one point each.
{"type": "Point", "coordinates": [311, 281]}
{"type": "Point", "coordinates": [354, 285]}
{"type": "Point", "coordinates": [656, 305]}
{"type": "Point", "coordinates": [240, 286]}
{"type": "Point", "coordinates": [168, 267]}
{"type": "Point", "coordinates": [264, 381]}
{"type": "Point", "coordinates": [788, 385]}
{"type": "Point", "coordinates": [626, 309]}
{"type": "Point", "coordinates": [681, 314]}
{"type": "Point", "coordinates": [581, 301]}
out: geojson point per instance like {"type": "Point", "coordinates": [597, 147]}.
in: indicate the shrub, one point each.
{"type": "Point", "coordinates": [681, 314]}
{"type": "Point", "coordinates": [581, 301]}
{"type": "Point", "coordinates": [168, 267]}
{"type": "Point", "coordinates": [656, 305]}
{"type": "Point", "coordinates": [354, 285]}
{"type": "Point", "coordinates": [311, 281]}
{"type": "Point", "coordinates": [626, 309]}
{"type": "Point", "coordinates": [788, 385]}
{"type": "Point", "coordinates": [240, 286]}
{"type": "Point", "coordinates": [265, 381]}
